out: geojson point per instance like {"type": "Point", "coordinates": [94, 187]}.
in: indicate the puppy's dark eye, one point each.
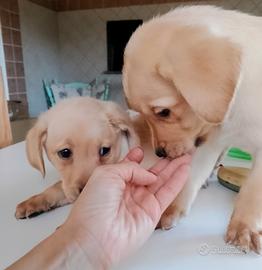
{"type": "Point", "coordinates": [164, 113]}
{"type": "Point", "coordinates": [65, 153]}
{"type": "Point", "coordinates": [103, 151]}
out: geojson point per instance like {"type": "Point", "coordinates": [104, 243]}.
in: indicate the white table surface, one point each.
{"type": "Point", "coordinates": [196, 242]}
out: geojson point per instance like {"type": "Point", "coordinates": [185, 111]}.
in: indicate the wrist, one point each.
{"type": "Point", "coordinates": [82, 246]}
{"type": "Point", "coordinates": [58, 251]}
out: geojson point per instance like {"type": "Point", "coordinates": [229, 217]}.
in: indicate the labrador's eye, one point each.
{"type": "Point", "coordinates": [164, 113]}
{"type": "Point", "coordinates": [65, 153]}
{"type": "Point", "coordinates": [103, 151]}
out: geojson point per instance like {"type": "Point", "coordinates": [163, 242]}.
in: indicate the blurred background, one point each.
{"type": "Point", "coordinates": [55, 49]}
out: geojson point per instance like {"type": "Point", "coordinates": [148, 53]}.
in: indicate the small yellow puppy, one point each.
{"type": "Point", "coordinates": [78, 135]}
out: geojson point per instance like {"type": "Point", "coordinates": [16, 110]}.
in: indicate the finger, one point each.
{"type": "Point", "coordinates": [169, 191]}
{"type": "Point", "coordinates": [167, 172]}
{"type": "Point", "coordinates": [135, 174]}
{"type": "Point", "coordinates": [159, 166]}
{"type": "Point", "coordinates": [173, 165]}
{"type": "Point", "coordinates": [135, 154]}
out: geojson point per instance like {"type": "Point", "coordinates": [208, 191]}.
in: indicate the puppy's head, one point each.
{"type": "Point", "coordinates": [78, 135]}
{"type": "Point", "coordinates": [182, 78]}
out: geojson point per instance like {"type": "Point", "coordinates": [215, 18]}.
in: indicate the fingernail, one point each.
{"type": "Point", "coordinates": [137, 148]}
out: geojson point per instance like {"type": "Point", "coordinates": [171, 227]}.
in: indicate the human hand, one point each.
{"type": "Point", "coordinates": [121, 205]}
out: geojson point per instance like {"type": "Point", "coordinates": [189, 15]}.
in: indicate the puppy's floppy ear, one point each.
{"type": "Point", "coordinates": [34, 144]}
{"type": "Point", "coordinates": [204, 68]}
{"type": "Point", "coordinates": [120, 119]}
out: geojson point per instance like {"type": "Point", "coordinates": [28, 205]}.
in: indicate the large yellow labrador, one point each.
{"type": "Point", "coordinates": [195, 75]}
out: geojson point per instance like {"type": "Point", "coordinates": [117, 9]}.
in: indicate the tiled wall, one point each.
{"type": "Point", "coordinates": [9, 14]}
{"type": "Point", "coordinates": [71, 46]}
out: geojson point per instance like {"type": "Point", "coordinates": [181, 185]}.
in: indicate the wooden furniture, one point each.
{"type": "Point", "coordinates": [5, 129]}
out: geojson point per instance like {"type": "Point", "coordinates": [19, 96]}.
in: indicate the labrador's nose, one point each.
{"type": "Point", "coordinates": [161, 152]}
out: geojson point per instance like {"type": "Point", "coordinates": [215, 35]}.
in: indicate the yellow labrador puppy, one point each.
{"type": "Point", "coordinates": [195, 75]}
{"type": "Point", "coordinates": [78, 135]}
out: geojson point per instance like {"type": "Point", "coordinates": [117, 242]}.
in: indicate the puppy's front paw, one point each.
{"type": "Point", "coordinates": [244, 236]}
{"type": "Point", "coordinates": [32, 207]}
{"type": "Point", "coordinates": [171, 217]}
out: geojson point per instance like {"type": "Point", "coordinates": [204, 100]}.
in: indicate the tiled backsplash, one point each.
{"type": "Point", "coordinates": [9, 14]}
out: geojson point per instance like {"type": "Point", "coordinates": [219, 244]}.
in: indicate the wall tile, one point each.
{"type": "Point", "coordinates": [21, 86]}
{"type": "Point", "coordinates": [16, 37]}
{"type": "Point", "coordinates": [15, 21]}
{"type": "Point", "coordinates": [6, 34]}
{"type": "Point", "coordinates": [8, 50]}
{"type": "Point", "coordinates": [12, 86]}
{"type": "Point", "coordinates": [5, 18]}
{"type": "Point", "coordinates": [10, 69]}
{"type": "Point", "coordinates": [18, 54]}
{"type": "Point", "coordinates": [19, 69]}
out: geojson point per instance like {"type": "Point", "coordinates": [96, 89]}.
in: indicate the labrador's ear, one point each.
{"type": "Point", "coordinates": [120, 119]}
{"type": "Point", "coordinates": [34, 144]}
{"type": "Point", "coordinates": [204, 69]}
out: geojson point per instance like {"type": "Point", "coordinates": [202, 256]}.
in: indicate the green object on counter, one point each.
{"type": "Point", "coordinates": [238, 153]}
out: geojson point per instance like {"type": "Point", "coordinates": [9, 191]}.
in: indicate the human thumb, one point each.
{"type": "Point", "coordinates": [136, 155]}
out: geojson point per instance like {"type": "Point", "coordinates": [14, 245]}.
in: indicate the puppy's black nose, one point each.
{"type": "Point", "coordinates": [199, 141]}
{"type": "Point", "coordinates": [161, 152]}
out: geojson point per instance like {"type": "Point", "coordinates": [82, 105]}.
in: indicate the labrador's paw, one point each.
{"type": "Point", "coordinates": [171, 217]}
{"type": "Point", "coordinates": [244, 236]}
{"type": "Point", "coordinates": [176, 210]}
{"type": "Point", "coordinates": [32, 207]}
